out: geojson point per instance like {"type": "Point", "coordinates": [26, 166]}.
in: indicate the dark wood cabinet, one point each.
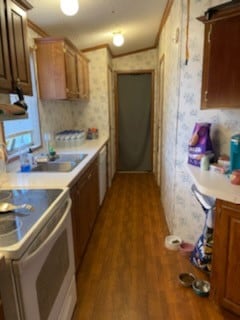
{"type": "Point", "coordinates": [221, 63]}
{"type": "Point", "coordinates": [1, 311]}
{"type": "Point", "coordinates": [5, 73]}
{"type": "Point", "coordinates": [2, 263]}
{"type": "Point", "coordinates": [85, 205]}
{"type": "Point", "coordinates": [14, 51]}
{"type": "Point", "coordinates": [225, 279]}
{"type": "Point", "coordinates": [60, 69]}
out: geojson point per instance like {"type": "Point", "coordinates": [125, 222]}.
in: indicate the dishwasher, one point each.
{"type": "Point", "coordinates": [102, 172]}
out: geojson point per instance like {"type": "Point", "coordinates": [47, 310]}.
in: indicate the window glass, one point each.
{"type": "Point", "coordinates": [25, 132]}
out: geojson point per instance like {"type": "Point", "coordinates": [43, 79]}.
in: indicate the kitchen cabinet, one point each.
{"type": "Point", "coordinates": [83, 76]}
{"type": "Point", "coordinates": [225, 278]}
{"type": "Point", "coordinates": [221, 63]}
{"type": "Point", "coordinates": [2, 262]}
{"type": "Point", "coordinates": [14, 51]}
{"type": "Point", "coordinates": [1, 311]}
{"type": "Point", "coordinates": [59, 69]}
{"type": "Point", "coordinates": [85, 205]}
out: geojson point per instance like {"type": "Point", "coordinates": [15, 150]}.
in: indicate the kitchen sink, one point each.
{"type": "Point", "coordinates": [63, 163]}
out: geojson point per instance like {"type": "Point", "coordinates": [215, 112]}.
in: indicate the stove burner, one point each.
{"type": "Point", "coordinates": [5, 195]}
{"type": "Point", "coordinates": [9, 225]}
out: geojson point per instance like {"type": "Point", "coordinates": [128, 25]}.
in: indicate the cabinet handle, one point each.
{"type": "Point", "coordinates": [89, 176]}
{"type": "Point", "coordinates": [206, 96]}
{"type": "Point", "coordinates": [209, 33]}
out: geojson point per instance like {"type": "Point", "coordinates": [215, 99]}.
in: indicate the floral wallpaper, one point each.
{"type": "Point", "coordinates": [94, 113]}
{"type": "Point", "coordinates": [170, 49]}
{"type": "Point", "coordinates": [181, 111]}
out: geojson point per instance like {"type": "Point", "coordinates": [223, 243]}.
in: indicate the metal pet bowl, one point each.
{"type": "Point", "coordinates": [186, 279]}
{"type": "Point", "coordinates": [201, 287]}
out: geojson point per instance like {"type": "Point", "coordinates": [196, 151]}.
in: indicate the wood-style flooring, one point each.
{"type": "Point", "coordinates": [127, 273]}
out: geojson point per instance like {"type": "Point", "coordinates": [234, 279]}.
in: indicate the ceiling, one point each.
{"type": "Point", "coordinates": [96, 20]}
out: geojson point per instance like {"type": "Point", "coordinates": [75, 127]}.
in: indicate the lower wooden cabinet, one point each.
{"type": "Point", "coordinates": [1, 311]}
{"type": "Point", "coordinates": [85, 205]}
{"type": "Point", "coordinates": [225, 277]}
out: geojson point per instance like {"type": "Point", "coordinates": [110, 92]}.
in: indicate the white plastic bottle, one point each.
{"type": "Point", "coordinates": [204, 164]}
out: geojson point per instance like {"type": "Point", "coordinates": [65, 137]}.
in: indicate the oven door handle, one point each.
{"type": "Point", "coordinates": [50, 237]}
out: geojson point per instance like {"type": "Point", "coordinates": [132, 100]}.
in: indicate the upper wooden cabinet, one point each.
{"type": "Point", "coordinates": [83, 78]}
{"type": "Point", "coordinates": [14, 51]}
{"type": "Point", "coordinates": [221, 63]}
{"type": "Point", "coordinates": [60, 69]}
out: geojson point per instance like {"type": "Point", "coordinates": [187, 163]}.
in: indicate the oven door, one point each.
{"type": "Point", "coordinates": [46, 271]}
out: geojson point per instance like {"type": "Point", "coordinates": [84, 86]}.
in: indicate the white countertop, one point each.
{"type": "Point", "coordinates": [45, 180]}
{"type": "Point", "coordinates": [214, 184]}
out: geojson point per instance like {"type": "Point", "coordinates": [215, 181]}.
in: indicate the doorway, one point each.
{"type": "Point", "coordinates": [134, 121]}
{"type": "Point", "coordinates": [111, 144]}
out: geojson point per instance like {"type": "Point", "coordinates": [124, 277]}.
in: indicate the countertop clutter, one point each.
{"type": "Point", "coordinates": [214, 184]}
{"type": "Point", "coordinates": [16, 179]}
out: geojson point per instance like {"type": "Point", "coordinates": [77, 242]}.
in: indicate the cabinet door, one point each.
{"type": "Point", "coordinates": [83, 77]}
{"type": "Point", "coordinates": [75, 223]}
{"type": "Point", "coordinates": [86, 79]}
{"type": "Point", "coordinates": [221, 67]}
{"type": "Point", "coordinates": [85, 204]}
{"type": "Point", "coordinates": [51, 69]}
{"type": "Point", "coordinates": [80, 76]}
{"type": "Point", "coordinates": [1, 306]}
{"type": "Point", "coordinates": [93, 185]}
{"type": "Point", "coordinates": [80, 202]}
{"type": "Point", "coordinates": [80, 219]}
{"type": "Point", "coordinates": [19, 51]}
{"type": "Point", "coordinates": [1, 311]}
{"type": "Point", "coordinates": [71, 73]}
{"type": "Point", "coordinates": [5, 74]}
{"type": "Point", "coordinates": [226, 256]}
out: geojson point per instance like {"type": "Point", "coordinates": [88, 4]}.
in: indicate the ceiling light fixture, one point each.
{"type": "Point", "coordinates": [69, 7]}
{"type": "Point", "coordinates": [118, 39]}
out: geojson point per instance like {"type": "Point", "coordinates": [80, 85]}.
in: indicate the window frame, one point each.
{"type": "Point", "coordinates": [14, 156]}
